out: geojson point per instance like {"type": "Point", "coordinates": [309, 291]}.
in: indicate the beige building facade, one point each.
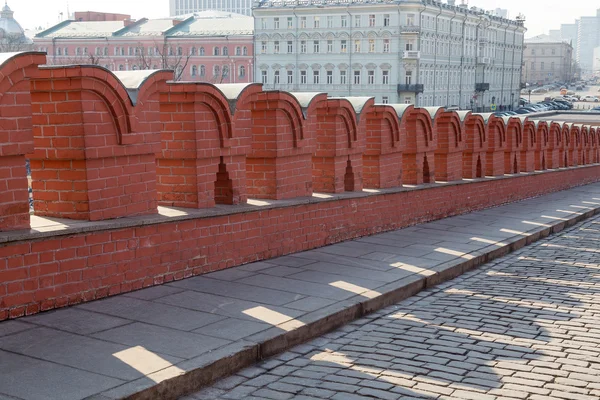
{"type": "Point", "coordinates": [547, 59]}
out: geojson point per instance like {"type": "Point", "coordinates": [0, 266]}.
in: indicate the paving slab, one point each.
{"type": "Point", "coordinates": [166, 341]}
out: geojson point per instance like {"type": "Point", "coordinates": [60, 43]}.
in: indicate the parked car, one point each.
{"type": "Point", "coordinates": [595, 109]}
{"type": "Point", "coordinates": [591, 98]}
{"type": "Point", "coordinates": [523, 111]}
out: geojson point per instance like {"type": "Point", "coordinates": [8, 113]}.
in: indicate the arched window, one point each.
{"type": "Point", "coordinates": [58, 51]}
{"type": "Point", "coordinates": [106, 51]}
{"type": "Point", "coordinates": [245, 51]}
{"type": "Point", "coordinates": [66, 51]}
{"type": "Point", "coordinates": [201, 51]}
{"type": "Point", "coordinates": [85, 51]}
{"type": "Point", "coordinates": [216, 51]}
{"type": "Point", "coordinates": [121, 68]}
{"type": "Point", "coordinates": [193, 51]}
{"type": "Point", "coordinates": [202, 70]}
{"type": "Point", "coordinates": [225, 51]}
{"type": "Point", "coordinates": [216, 70]}
{"type": "Point", "coordinates": [194, 70]}
{"type": "Point", "coordinates": [78, 51]}
{"type": "Point", "coordinates": [225, 70]}
{"type": "Point", "coordinates": [238, 51]}
{"type": "Point", "coordinates": [242, 71]}
{"type": "Point", "coordinates": [180, 51]}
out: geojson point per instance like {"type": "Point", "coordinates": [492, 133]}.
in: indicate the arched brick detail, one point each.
{"type": "Point", "coordinates": [418, 160]}
{"type": "Point", "coordinates": [279, 164]}
{"type": "Point", "coordinates": [386, 138]}
{"type": "Point", "coordinates": [594, 144]}
{"type": "Point", "coordinates": [528, 145]}
{"type": "Point", "coordinates": [555, 149]}
{"type": "Point", "coordinates": [496, 128]}
{"type": "Point", "coordinates": [476, 145]}
{"type": "Point", "coordinates": [340, 139]}
{"type": "Point", "coordinates": [585, 155]}
{"type": "Point", "coordinates": [514, 145]}
{"type": "Point", "coordinates": [16, 136]}
{"type": "Point", "coordinates": [203, 160]}
{"type": "Point", "coordinates": [568, 151]}
{"type": "Point", "coordinates": [450, 146]}
{"type": "Point", "coordinates": [542, 134]}
{"type": "Point", "coordinates": [574, 153]}
{"type": "Point", "coordinates": [94, 152]}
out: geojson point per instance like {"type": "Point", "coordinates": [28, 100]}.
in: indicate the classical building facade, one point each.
{"type": "Point", "coordinates": [546, 59]}
{"type": "Point", "coordinates": [415, 51]}
{"type": "Point", "coordinates": [210, 46]}
{"type": "Point", "coordinates": [182, 7]}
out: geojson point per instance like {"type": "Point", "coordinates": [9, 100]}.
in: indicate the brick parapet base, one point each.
{"type": "Point", "coordinates": [45, 270]}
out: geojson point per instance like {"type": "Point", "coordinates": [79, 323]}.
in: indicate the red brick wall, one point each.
{"type": "Point", "coordinates": [41, 274]}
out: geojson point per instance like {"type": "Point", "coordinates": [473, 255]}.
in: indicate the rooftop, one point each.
{"type": "Point", "coordinates": [206, 23]}
{"type": "Point", "coordinates": [541, 39]}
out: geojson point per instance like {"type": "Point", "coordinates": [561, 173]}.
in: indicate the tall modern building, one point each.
{"type": "Point", "coordinates": [183, 7]}
{"type": "Point", "coordinates": [415, 51]}
{"type": "Point", "coordinates": [588, 38]}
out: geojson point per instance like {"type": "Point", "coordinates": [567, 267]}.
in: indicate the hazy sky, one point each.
{"type": "Point", "coordinates": [541, 15]}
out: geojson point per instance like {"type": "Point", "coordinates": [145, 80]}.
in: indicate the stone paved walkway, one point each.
{"type": "Point", "coordinates": [524, 327]}
{"type": "Point", "coordinates": [168, 340]}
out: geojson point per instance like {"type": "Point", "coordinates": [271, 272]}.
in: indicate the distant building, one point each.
{"type": "Point", "coordinates": [12, 36]}
{"type": "Point", "coordinates": [210, 46]}
{"type": "Point", "coordinates": [99, 16]}
{"type": "Point", "coordinates": [546, 59]}
{"type": "Point", "coordinates": [183, 7]}
{"type": "Point", "coordinates": [588, 38]}
{"type": "Point", "coordinates": [416, 51]}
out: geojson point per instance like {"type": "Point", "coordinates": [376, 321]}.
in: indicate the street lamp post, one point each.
{"type": "Point", "coordinates": [512, 101]}
{"type": "Point", "coordinates": [530, 95]}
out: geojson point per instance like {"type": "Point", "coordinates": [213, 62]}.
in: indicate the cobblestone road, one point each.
{"type": "Point", "coordinates": [524, 327]}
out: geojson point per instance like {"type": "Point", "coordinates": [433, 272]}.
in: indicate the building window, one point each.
{"type": "Point", "coordinates": [216, 70]}
{"type": "Point", "coordinates": [290, 23]}
{"type": "Point", "coordinates": [201, 52]}
{"type": "Point", "coordinates": [242, 71]}
{"type": "Point", "coordinates": [385, 77]}
{"type": "Point", "coordinates": [330, 21]}
{"type": "Point", "coordinates": [263, 76]}
{"type": "Point", "coordinates": [408, 46]}
{"type": "Point", "coordinates": [290, 77]}
{"type": "Point", "coordinates": [275, 23]}
{"type": "Point", "coordinates": [58, 51]}
{"type": "Point", "coordinates": [290, 46]}
{"type": "Point", "coordinates": [371, 45]}
{"type": "Point", "coordinates": [263, 47]}
{"type": "Point", "coordinates": [385, 100]}
{"type": "Point", "coordinates": [533, 52]}
{"type": "Point", "coordinates": [553, 51]}
{"type": "Point", "coordinates": [276, 78]}
{"type": "Point", "coordinates": [533, 66]}
{"type": "Point", "coordinates": [225, 71]}
{"type": "Point", "coordinates": [85, 51]}
{"type": "Point", "coordinates": [329, 77]}
{"type": "Point", "coordinates": [303, 22]}
{"type": "Point", "coordinates": [386, 45]}
{"type": "Point", "coordinates": [276, 47]}
{"type": "Point", "coordinates": [552, 67]}
{"type": "Point", "coordinates": [121, 68]}
{"type": "Point", "coordinates": [179, 51]}
{"type": "Point", "coordinates": [357, 77]}
{"type": "Point", "coordinates": [344, 46]}
{"type": "Point", "coordinates": [386, 19]}
{"type": "Point", "coordinates": [194, 70]}
{"type": "Point", "coordinates": [263, 22]}
{"type": "Point", "coordinates": [370, 77]}
{"type": "Point", "coordinates": [344, 21]}
{"type": "Point", "coordinates": [303, 46]}
{"type": "Point", "coordinates": [216, 51]}
{"type": "Point", "coordinates": [238, 51]}
{"type": "Point", "coordinates": [316, 46]}
{"type": "Point", "coordinates": [342, 77]}
{"type": "Point", "coordinates": [330, 46]}
{"type": "Point", "coordinates": [192, 51]}
{"type": "Point", "coordinates": [542, 66]}
{"type": "Point", "coordinates": [78, 51]}
{"type": "Point", "coordinates": [408, 78]}
{"type": "Point", "coordinates": [371, 19]}
{"type": "Point", "coordinates": [202, 70]}
{"type": "Point", "coordinates": [357, 21]}
{"type": "Point", "coordinates": [357, 46]}
{"type": "Point", "coordinates": [245, 51]}
{"type": "Point", "coordinates": [317, 22]}
{"type": "Point", "coordinates": [316, 77]}
{"type": "Point", "coordinates": [225, 51]}
{"type": "Point", "coordinates": [303, 77]}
